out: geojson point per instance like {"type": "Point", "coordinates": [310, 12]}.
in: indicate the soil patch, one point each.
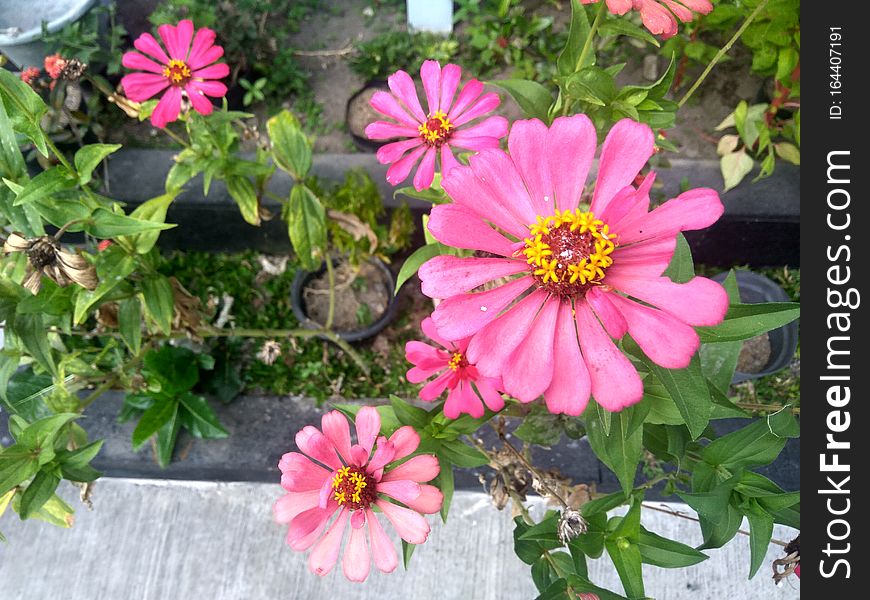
{"type": "Point", "coordinates": [754, 355]}
{"type": "Point", "coordinates": [361, 296]}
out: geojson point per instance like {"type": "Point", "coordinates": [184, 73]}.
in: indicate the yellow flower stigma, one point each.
{"type": "Point", "coordinates": [455, 361]}
{"type": "Point", "coordinates": [177, 72]}
{"type": "Point", "coordinates": [436, 129]}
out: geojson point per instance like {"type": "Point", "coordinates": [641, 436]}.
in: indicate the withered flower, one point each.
{"type": "Point", "coordinates": [269, 352]}
{"type": "Point", "coordinates": [571, 525]}
{"type": "Point", "coordinates": [45, 257]}
{"type": "Point", "coordinates": [72, 69]}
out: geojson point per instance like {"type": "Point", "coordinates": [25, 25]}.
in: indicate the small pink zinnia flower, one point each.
{"type": "Point", "coordinates": [655, 14]}
{"type": "Point", "coordinates": [29, 75]}
{"type": "Point", "coordinates": [187, 70]}
{"type": "Point", "coordinates": [437, 131]}
{"type": "Point", "coordinates": [583, 275]}
{"type": "Point", "coordinates": [54, 64]}
{"type": "Point", "coordinates": [332, 477]}
{"type": "Point", "coordinates": [455, 374]}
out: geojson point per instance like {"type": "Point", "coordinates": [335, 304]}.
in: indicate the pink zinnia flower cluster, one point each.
{"type": "Point", "coordinates": [659, 16]}
{"type": "Point", "coordinates": [433, 134]}
{"type": "Point", "coordinates": [332, 477]}
{"type": "Point", "coordinates": [580, 277]}
{"type": "Point", "coordinates": [465, 384]}
{"type": "Point", "coordinates": [54, 64]}
{"type": "Point", "coordinates": [187, 68]}
{"type": "Point", "coordinates": [29, 75]}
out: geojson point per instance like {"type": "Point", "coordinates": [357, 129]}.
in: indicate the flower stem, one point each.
{"type": "Point", "coordinates": [587, 45]}
{"type": "Point", "coordinates": [722, 52]}
{"type": "Point", "coordinates": [330, 272]}
{"type": "Point", "coordinates": [175, 137]}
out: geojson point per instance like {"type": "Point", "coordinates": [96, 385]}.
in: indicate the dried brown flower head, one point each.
{"type": "Point", "coordinates": [45, 257]}
{"type": "Point", "coordinates": [269, 352]}
{"type": "Point", "coordinates": [72, 69]}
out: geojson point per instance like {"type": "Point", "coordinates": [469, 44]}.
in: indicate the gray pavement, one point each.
{"type": "Point", "coordinates": [155, 539]}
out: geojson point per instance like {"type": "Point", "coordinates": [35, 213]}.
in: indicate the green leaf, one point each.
{"type": "Point", "coordinates": [25, 394]}
{"type": "Point", "coordinates": [306, 225]}
{"type": "Point", "coordinates": [105, 224]}
{"type": "Point", "coordinates": [88, 157]}
{"type": "Point", "coordinates": [541, 574]}
{"type": "Point", "coordinates": [159, 301]}
{"type": "Point", "coordinates": [613, 27]}
{"type": "Point", "coordinates": [17, 465]}
{"type": "Point", "coordinates": [154, 211]}
{"type": "Point", "coordinates": [9, 361]}
{"type": "Point", "coordinates": [112, 272]}
{"type": "Point", "coordinates": [532, 97]}
{"type": "Point", "coordinates": [51, 300]}
{"type": "Point", "coordinates": [45, 184]}
{"type": "Point", "coordinates": [720, 520]}
{"type": "Point", "coordinates": [592, 85]}
{"type": "Point", "coordinates": [603, 505]}
{"type": "Point", "coordinates": [719, 361]}
{"type": "Point", "coordinates": [681, 268]}
{"type": "Point", "coordinates": [628, 526]}
{"type": "Point", "coordinates": [759, 443]}
{"type": "Point", "coordinates": [462, 455]}
{"type": "Point", "coordinates": [578, 558]}
{"type": "Point", "coordinates": [735, 166]}
{"type": "Point", "coordinates": [582, 584]}
{"type": "Point", "coordinates": [569, 58]}
{"type": "Point", "coordinates": [557, 590]}
{"type": "Point", "coordinates": [40, 434]}
{"type": "Point", "coordinates": [662, 552]}
{"type": "Point", "coordinates": [418, 257]}
{"type": "Point", "coordinates": [166, 437]}
{"type": "Point", "coordinates": [38, 493]}
{"type": "Point", "coordinates": [242, 191]}
{"type": "Point", "coordinates": [407, 414]}
{"type": "Point", "coordinates": [175, 368]}
{"type": "Point", "coordinates": [760, 532]}
{"type": "Point", "coordinates": [627, 560]}
{"type": "Point", "coordinates": [546, 532]}
{"type": "Point", "coordinates": [621, 451]}
{"type": "Point", "coordinates": [24, 108]}
{"type": "Point", "coordinates": [130, 323]}
{"type": "Point", "coordinates": [203, 422]}
{"type": "Point", "coordinates": [540, 427]}
{"type": "Point", "coordinates": [164, 411]}
{"type": "Point", "coordinates": [744, 321]}
{"type": "Point", "coordinates": [444, 482]}
{"type": "Point", "coordinates": [530, 551]}
{"type": "Point", "coordinates": [31, 330]}
{"type": "Point", "coordinates": [80, 457]}
{"type": "Point", "coordinates": [407, 552]}
{"type": "Point", "coordinates": [291, 148]}
{"type": "Point", "coordinates": [56, 512]}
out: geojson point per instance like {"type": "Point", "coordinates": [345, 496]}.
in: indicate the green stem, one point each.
{"type": "Point", "coordinates": [723, 51]}
{"type": "Point", "coordinates": [175, 137]}
{"type": "Point", "coordinates": [587, 45]}
{"type": "Point", "coordinates": [60, 157]}
{"type": "Point", "coordinates": [330, 272]}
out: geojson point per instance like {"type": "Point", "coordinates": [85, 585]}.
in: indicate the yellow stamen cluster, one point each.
{"type": "Point", "coordinates": [455, 361]}
{"type": "Point", "coordinates": [357, 481]}
{"type": "Point", "coordinates": [436, 128]}
{"type": "Point", "coordinates": [568, 250]}
{"type": "Point", "coordinates": [177, 72]}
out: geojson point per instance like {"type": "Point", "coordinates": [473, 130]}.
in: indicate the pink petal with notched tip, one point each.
{"type": "Point", "coordinates": [469, 93]}
{"type": "Point", "coordinates": [384, 130]}
{"type": "Point", "coordinates": [699, 301]}
{"type": "Point", "coordinates": [383, 552]}
{"type": "Point", "coordinates": [489, 391]}
{"type": "Point", "coordinates": [493, 344]}
{"type": "Point", "coordinates": [399, 170]}
{"type": "Point", "coordinates": [570, 150]}
{"type": "Point", "coordinates": [134, 60]}
{"type": "Point", "coordinates": [215, 71]}
{"type": "Point", "coordinates": [299, 473]}
{"type": "Point", "coordinates": [200, 103]}
{"type": "Point", "coordinates": [425, 356]}
{"type": "Point", "coordinates": [487, 103]}
{"type": "Point", "coordinates": [618, 7]}
{"type": "Point", "coordinates": [404, 89]}
{"type": "Point", "coordinates": [646, 259]}
{"type": "Point", "coordinates": [461, 227]}
{"type": "Point", "coordinates": [448, 275]}
{"type": "Point", "coordinates": [402, 490]}
{"type": "Point", "coordinates": [692, 210]}
{"type": "Point", "coordinates": [529, 370]}
{"type": "Point", "coordinates": [628, 204]}
{"type": "Point", "coordinates": [404, 440]}
{"type": "Point", "coordinates": [305, 542]}
{"type": "Point", "coordinates": [390, 153]}
{"type": "Point", "coordinates": [665, 339]}
{"type": "Point", "coordinates": [355, 563]}
{"type": "Point", "coordinates": [615, 382]}
{"type": "Point", "coordinates": [167, 36]}
{"type": "Point", "coordinates": [430, 73]}
{"type": "Point", "coordinates": [167, 109]}
{"type": "Point", "coordinates": [325, 553]}
{"type": "Point", "coordinates": [464, 315]}
{"type": "Point", "coordinates": [419, 469]}
{"type": "Point", "coordinates": [448, 161]}
{"type": "Point", "coordinates": [570, 388]}
{"type": "Point", "coordinates": [463, 400]}
{"type": "Point", "coordinates": [450, 76]}
{"type": "Point", "coordinates": [436, 387]}
{"type": "Point", "coordinates": [700, 6]}
{"type": "Point", "coordinates": [527, 145]}
{"type": "Point", "coordinates": [290, 505]}
{"type": "Point", "coordinates": [419, 375]}
{"type": "Point", "coordinates": [465, 189]}
{"type": "Point", "coordinates": [428, 502]}
{"type": "Point", "coordinates": [497, 175]}
{"type": "Point", "coordinates": [475, 144]}
{"type": "Point", "coordinates": [146, 44]}
{"type": "Point", "coordinates": [368, 426]}
{"type": "Point", "coordinates": [140, 87]}
{"type": "Point", "coordinates": [612, 320]}
{"type": "Point", "coordinates": [337, 429]}
{"type": "Point", "coordinates": [657, 19]}
{"type": "Point", "coordinates": [430, 331]}
{"type": "Point", "coordinates": [625, 151]}
{"type": "Point", "coordinates": [313, 443]}
{"type": "Point", "coordinates": [306, 523]}
{"type": "Point", "coordinates": [410, 525]}
{"type": "Point", "coordinates": [384, 454]}
{"type": "Point", "coordinates": [491, 127]}
{"type": "Point", "coordinates": [681, 12]}
{"type": "Point", "coordinates": [387, 104]}
{"type": "Point", "coordinates": [203, 49]}
{"type": "Point", "coordinates": [426, 171]}
{"type": "Point", "coordinates": [215, 89]}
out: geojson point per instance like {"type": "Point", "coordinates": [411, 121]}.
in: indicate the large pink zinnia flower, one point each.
{"type": "Point", "coordinates": [655, 14]}
{"type": "Point", "coordinates": [455, 374]}
{"type": "Point", "coordinates": [187, 70]}
{"type": "Point", "coordinates": [585, 275]}
{"type": "Point", "coordinates": [437, 131]}
{"type": "Point", "coordinates": [336, 478]}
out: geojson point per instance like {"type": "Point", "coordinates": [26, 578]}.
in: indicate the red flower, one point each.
{"type": "Point", "coordinates": [104, 244]}
{"type": "Point", "coordinates": [29, 75]}
{"type": "Point", "coordinates": [54, 64]}
{"type": "Point", "coordinates": [658, 15]}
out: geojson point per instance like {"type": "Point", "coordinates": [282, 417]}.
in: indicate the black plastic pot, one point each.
{"type": "Point", "coordinates": [361, 142]}
{"type": "Point", "coordinates": [297, 301]}
{"type": "Point", "coordinates": [756, 288]}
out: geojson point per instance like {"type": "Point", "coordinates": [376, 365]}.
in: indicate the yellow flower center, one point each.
{"type": "Point", "coordinates": [177, 72]}
{"type": "Point", "coordinates": [353, 488]}
{"type": "Point", "coordinates": [569, 252]}
{"type": "Point", "coordinates": [436, 129]}
{"type": "Point", "coordinates": [456, 361]}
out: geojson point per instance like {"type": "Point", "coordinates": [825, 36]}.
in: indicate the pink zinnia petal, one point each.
{"type": "Point", "coordinates": [200, 103]}
{"type": "Point", "coordinates": [390, 153]}
{"type": "Point", "coordinates": [216, 71]}
{"type": "Point", "coordinates": [570, 388]}
{"type": "Point", "coordinates": [215, 89]}
{"type": "Point", "coordinates": [645, 259]}
{"type": "Point", "coordinates": [419, 374]}
{"type": "Point", "coordinates": [419, 469]}
{"type": "Point", "coordinates": [527, 144]}
{"type": "Point", "coordinates": [430, 73]}
{"type": "Point", "coordinates": [429, 500]}
{"type": "Point", "coordinates": [474, 144]}
{"type": "Point", "coordinates": [404, 440]}
{"type": "Point", "coordinates": [316, 445]}
{"type": "Point", "coordinates": [494, 343]}
{"type": "Point", "coordinates": [404, 89]}
{"type": "Point", "coordinates": [694, 209]}
{"type": "Point", "coordinates": [387, 104]}
{"type": "Point", "coordinates": [324, 555]}
{"type": "Point", "coordinates": [336, 428]}
{"type": "Point", "coordinates": [465, 189]}
{"type": "Point", "coordinates": [470, 92]}
{"type": "Point", "coordinates": [450, 76]}
{"type": "Point", "coordinates": [698, 302]}
{"type": "Point", "coordinates": [299, 473]}
{"type": "Point", "coordinates": [463, 400]}
{"type": "Point", "coordinates": [399, 170]}
{"type": "Point", "coordinates": [665, 339]}
{"type": "Point", "coordinates": [529, 370]}
{"type": "Point", "coordinates": [167, 109]}
{"type": "Point", "coordinates": [429, 329]}
{"type": "Point", "coordinates": [289, 506]}
{"type": "Point", "coordinates": [355, 563]}
{"type": "Point", "coordinates": [464, 315]}
{"type": "Point", "coordinates": [448, 161]}
{"type": "Point", "coordinates": [203, 48]}
{"type": "Point", "coordinates": [625, 151]}
{"type": "Point", "coordinates": [148, 45]}
{"type": "Point", "coordinates": [134, 60]}
{"type": "Point", "coordinates": [402, 490]}
{"type": "Point", "coordinates": [570, 151]}
{"type": "Point", "coordinates": [615, 382]}
{"type": "Point", "coordinates": [411, 526]}
{"type": "Point", "coordinates": [612, 320]}
{"type": "Point", "coordinates": [682, 13]}
{"type": "Point", "coordinates": [384, 454]}
{"type": "Point", "coordinates": [488, 388]}
{"type": "Point", "coordinates": [368, 426]}
{"type": "Point", "coordinates": [448, 275]}
{"type": "Point", "coordinates": [488, 102]}
{"type": "Point", "coordinates": [383, 552]}
{"type": "Point", "coordinates": [305, 524]}
{"type": "Point", "coordinates": [617, 7]}
{"type": "Point", "coordinates": [628, 204]}
{"type": "Point", "coordinates": [496, 174]}
{"type": "Point", "coordinates": [657, 18]}
{"type": "Point", "coordinates": [140, 87]}
{"type": "Point", "coordinates": [426, 171]}
{"type": "Point", "coordinates": [436, 387]}
{"type": "Point", "coordinates": [425, 356]}
{"type": "Point", "coordinates": [384, 130]}
{"type": "Point", "coordinates": [491, 127]}
{"type": "Point", "coordinates": [699, 6]}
